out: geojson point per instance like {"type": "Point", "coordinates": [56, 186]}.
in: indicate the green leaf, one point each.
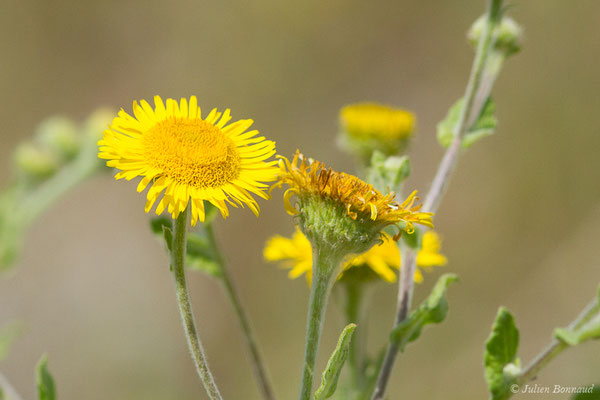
{"type": "Point", "coordinates": [387, 173]}
{"type": "Point", "coordinates": [432, 311]}
{"type": "Point", "coordinates": [483, 126]}
{"type": "Point", "coordinates": [199, 253]}
{"type": "Point", "coordinates": [8, 334]}
{"type": "Point", "coordinates": [500, 352]}
{"type": "Point", "coordinates": [593, 395]}
{"type": "Point", "coordinates": [588, 331]}
{"type": "Point", "coordinates": [332, 372]}
{"type": "Point", "coordinates": [45, 383]}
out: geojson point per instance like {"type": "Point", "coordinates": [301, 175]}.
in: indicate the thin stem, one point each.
{"type": "Point", "coordinates": [556, 347]}
{"type": "Point", "coordinates": [323, 271]}
{"type": "Point", "coordinates": [178, 250]}
{"type": "Point", "coordinates": [407, 276]}
{"type": "Point", "coordinates": [469, 112]}
{"type": "Point", "coordinates": [258, 364]}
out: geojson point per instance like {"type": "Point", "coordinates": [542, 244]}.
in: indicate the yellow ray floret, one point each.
{"type": "Point", "coordinates": [295, 254]}
{"type": "Point", "coordinates": [188, 159]}
{"type": "Point", "coordinates": [307, 177]}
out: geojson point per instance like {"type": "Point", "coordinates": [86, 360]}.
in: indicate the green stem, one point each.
{"type": "Point", "coordinates": [556, 347]}
{"type": "Point", "coordinates": [355, 314]}
{"type": "Point", "coordinates": [258, 364]}
{"type": "Point", "coordinates": [178, 251]}
{"type": "Point", "coordinates": [324, 268]}
{"type": "Point", "coordinates": [470, 110]}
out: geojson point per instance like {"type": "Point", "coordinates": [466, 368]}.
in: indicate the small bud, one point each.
{"type": "Point", "coordinates": [509, 35]}
{"type": "Point", "coordinates": [59, 135]}
{"type": "Point", "coordinates": [387, 173]}
{"type": "Point", "coordinates": [34, 162]}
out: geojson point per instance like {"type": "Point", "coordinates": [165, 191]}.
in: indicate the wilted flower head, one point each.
{"type": "Point", "coordinates": [188, 159]}
{"type": "Point", "coordinates": [341, 210]}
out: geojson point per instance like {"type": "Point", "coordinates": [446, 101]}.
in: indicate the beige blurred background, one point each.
{"type": "Point", "coordinates": [521, 221]}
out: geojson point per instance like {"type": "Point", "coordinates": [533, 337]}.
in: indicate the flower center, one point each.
{"type": "Point", "coordinates": [192, 152]}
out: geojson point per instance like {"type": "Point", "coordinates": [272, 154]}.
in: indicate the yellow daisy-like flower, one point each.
{"type": "Point", "coordinates": [189, 159]}
{"type": "Point", "coordinates": [309, 179]}
{"type": "Point", "coordinates": [295, 253]}
{"type": "Point", "coordinates": [372, 120]}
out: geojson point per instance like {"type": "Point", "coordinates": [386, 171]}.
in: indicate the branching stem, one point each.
{"type": "Point", "coordinates": [469, 112]}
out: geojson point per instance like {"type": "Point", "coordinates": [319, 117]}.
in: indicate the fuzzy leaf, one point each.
{"type": "Point", "coordinates": [500, 351]}
{"type": "Point", "coordinates": [45, 383]}
{"type": "Point", "coordinates": [588, 331]}
{"type": "Point", "coordinates": [483, 126]}
{"type": "Point", "coordinates": [432, 311]}
{"type": "Point", "coordinates": [335, 364]}
{"type": "Point", "coordinates": [387, 173]}
{"type": "Point", "coordinates": [199, 254]}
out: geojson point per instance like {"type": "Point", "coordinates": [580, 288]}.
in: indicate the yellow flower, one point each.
{"type": "Point", "coordinates": [310, 179]}
{"type": "Point", "coordinates": [295, 253]}
{"type": "Point", "coordinates": [372, 120]}
{"type": "Point", "coordinates": [429, 254]}
{"type": "Point", "coordinates": [189, 159]}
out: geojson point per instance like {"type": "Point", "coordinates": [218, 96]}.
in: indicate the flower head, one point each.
{"type": "Point", "coordinates": [382, 260]}
{"type": "Point", "coordinates": [189, 159]}
{"type": "Point", "coordinates": [341, 209]}
{"type": "Point", "coordinates": [367, 127]}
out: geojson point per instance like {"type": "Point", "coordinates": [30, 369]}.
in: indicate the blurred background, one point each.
{"type": "Point", "coordinates": [520, 222]}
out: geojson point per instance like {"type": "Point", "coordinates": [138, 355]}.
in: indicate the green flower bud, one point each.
{"type": "Point", "coordinates": [59, 135]}
{"type": "Point", "coordinates": [509, 35]}
{"type": "Point", "coordinates": [34, 162]}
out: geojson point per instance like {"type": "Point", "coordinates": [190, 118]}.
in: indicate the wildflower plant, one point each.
{"type": "Point", "coordinates": [353, 230]}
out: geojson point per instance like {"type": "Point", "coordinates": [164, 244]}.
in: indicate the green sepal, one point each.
{"type": "Point", "coordinates": [8, 334]}
{"type": "Point", "coordinates": [335, 364]}
{"type": "Point", "coordinates": [483, 126]}
{"type": "Point", "coordinates": [387, 173]}
{"type": "Point", "coordinates": [45, 383]}
{"type": "Point", "coordinates": [500, 356]}
{"type": "Point", "coordinates": [593, 395]}
{"type": "Point", "coordinates": [432, 311]}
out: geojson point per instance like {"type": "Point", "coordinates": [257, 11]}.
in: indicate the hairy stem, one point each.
{"type": "Point", "coordinates": [258, 364]}
{"type": "Point", "coordinates": [178, 251]}
{"type": "Point", "coordinates": [556, 347]}
{"type": "Point", "coordinates": [469, 112]}
{"type": "Point", "coordinates": [355, 307]}
{"type": "Point", "coordinates": [323, 273]}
